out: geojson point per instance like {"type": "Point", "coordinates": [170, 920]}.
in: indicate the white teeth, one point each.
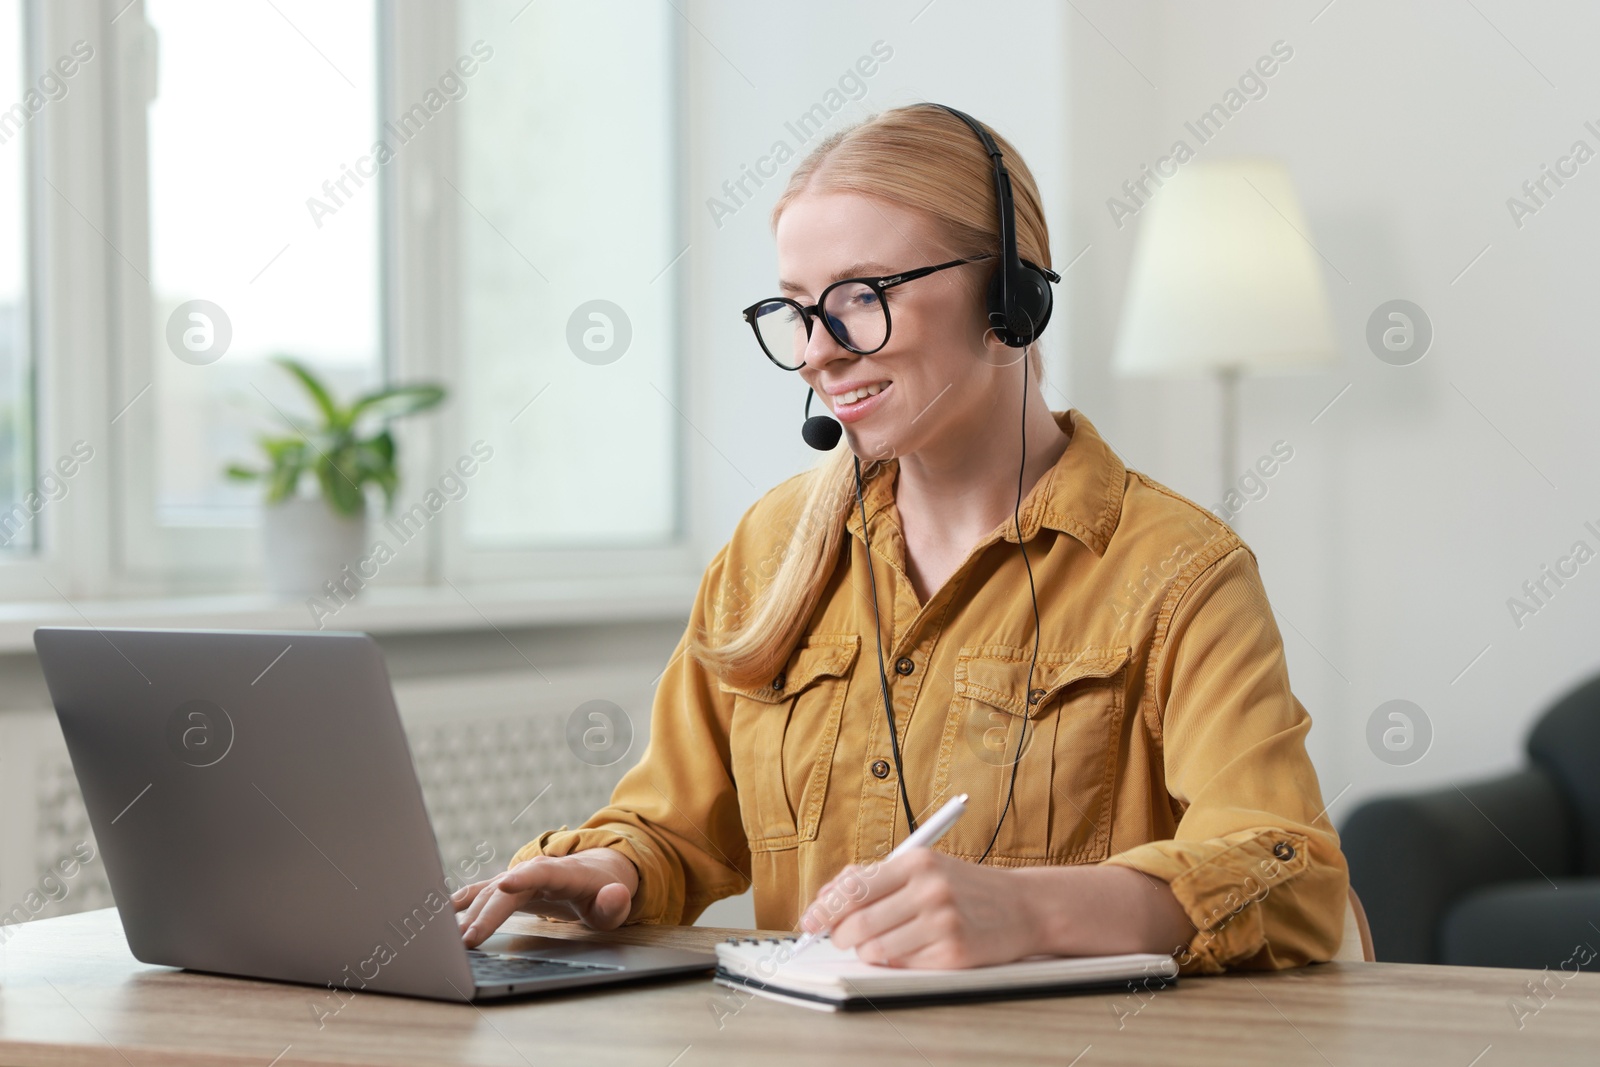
{"type": "Point", "coordinates": [857, 394]}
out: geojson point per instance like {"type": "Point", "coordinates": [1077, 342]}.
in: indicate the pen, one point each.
{"type": "Point", "coordinates": [923, 836]}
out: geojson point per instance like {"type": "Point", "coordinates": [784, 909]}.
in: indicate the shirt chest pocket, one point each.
{"type": "Point", "coordinates": [1061, 805]}
{"type": "Point", "coordinates": [782, 739]}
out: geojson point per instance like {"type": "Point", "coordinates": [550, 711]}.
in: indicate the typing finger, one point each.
{"type": "Point", "coordinates": [464, 896]}
{"type": "Point", "coordinates": [554, 886]}
{"type": "Point", "coordinates": [530, 875]}
{"type": "Point", "coordinates": [497, 908]}
{"type": "Point", "coordinates": [475, 906]}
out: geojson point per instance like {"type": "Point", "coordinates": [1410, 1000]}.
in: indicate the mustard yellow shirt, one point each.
{"type": "Point", "coordinates": [1163, 735]}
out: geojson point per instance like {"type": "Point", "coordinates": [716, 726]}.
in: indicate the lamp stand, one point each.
{"type": "Point", "coordinates": [1228, 379]}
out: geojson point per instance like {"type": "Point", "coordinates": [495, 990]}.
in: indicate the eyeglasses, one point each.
{"type": "Point", "coordinates": [852, 310]}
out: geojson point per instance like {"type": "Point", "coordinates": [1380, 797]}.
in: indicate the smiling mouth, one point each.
{"type": "Point", "coordinates": [859, 403]}
{"type": "Point", "coordinates": [860, 394]}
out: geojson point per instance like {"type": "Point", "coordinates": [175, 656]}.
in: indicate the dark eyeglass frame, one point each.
{"type": "Point", "coordinates": [809, 314]}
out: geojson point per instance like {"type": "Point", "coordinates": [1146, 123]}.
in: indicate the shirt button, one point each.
{"type": "Point", "coordinates": [1283, 850]}
{"type": "Point", "coordinates": [777, 683]}
{"type": "Point", "coordinates": [880, 768]}
{"type": "Point", "coordinates": [903, 665]}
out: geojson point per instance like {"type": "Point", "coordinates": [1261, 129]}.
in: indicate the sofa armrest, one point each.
{"type": "Point", "coordinates": [1412, 856]}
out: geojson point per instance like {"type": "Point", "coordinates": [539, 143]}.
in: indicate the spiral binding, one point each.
{"type": "Point", "coordinates": [758, 940]}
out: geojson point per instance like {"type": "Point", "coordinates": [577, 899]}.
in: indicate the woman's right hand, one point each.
{"type": "Point", "coordinates": [594, 886]}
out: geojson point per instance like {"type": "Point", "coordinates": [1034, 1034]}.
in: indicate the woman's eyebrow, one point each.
{"type": "Point", "coordinates": [855, 270]}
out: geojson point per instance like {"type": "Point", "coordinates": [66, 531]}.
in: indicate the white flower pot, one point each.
{"type": "Point", "coordinates": [306, 544]}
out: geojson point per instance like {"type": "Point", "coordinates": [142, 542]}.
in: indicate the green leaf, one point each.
{"type": "Point", "coordinates": [396, 401]}
{"type": "Point", "coordinates": [281, 449]}
{"type": "Point", "coordinates": [339, 488]}
{"type": "Point", "coordinates": [332, 415]}
{"type": "Point", "coordinates": [342, 462]}
{"type": "Point", "coordinates": [374, 461]}
{"type": "Point", "coordinates": [282, 483]}
{"type": "Point", "coordinates": [370, 458]}
{"type": "Point", "coordinates": [384, 444]}
{"type": "Point", "coordinates": [389, 482]}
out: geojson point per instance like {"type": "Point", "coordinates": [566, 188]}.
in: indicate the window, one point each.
{"type": "Point", "coordinates": [567, 244]}
{"type": "Point", "coordinates": [216, 195]}
{"type": "Point", "coordinates": [21, 98]}
{"type": "Point", "coordinates": [262, 240]}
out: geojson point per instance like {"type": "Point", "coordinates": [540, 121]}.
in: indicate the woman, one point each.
{"type": "Point", "coordinates": [1135, 762]}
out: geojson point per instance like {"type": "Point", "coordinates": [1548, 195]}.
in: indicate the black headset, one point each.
{"type": "Point", "coordinates": [1018, 304]}
{"type": "Point", "coordinates": [1020, 299]}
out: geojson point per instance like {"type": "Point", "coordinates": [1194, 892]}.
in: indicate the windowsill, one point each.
{"type": "Point", "coordinates": [415, 609]}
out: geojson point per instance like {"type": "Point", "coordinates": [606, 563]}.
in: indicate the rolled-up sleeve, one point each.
{"type": "Point", "coordinates": [1254, 861]}
{"type": "Point", "coordinates": [675, 814]}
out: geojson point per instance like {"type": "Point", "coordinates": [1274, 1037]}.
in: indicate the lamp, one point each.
{"type": "Point", "coordinates": [1224, 280]}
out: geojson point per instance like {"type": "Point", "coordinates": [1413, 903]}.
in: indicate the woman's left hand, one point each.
{"type": "Point", "coordinates": [927, 909]}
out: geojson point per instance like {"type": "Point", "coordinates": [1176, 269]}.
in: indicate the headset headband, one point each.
{"type": "Point", "coordinates": [1017, 320]}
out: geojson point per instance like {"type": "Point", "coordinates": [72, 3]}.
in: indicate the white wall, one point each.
{"type": "Point", "coordinates": [1427, 494]}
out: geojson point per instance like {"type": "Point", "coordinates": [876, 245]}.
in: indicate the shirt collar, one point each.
{"type": "Point", "coordinates": [1081, 495]}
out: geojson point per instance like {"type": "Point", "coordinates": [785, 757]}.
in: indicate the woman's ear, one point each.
{"type": "Point", "coordinates": [997, 353]}
{"type": "Point", "coordinates": [989, 347]}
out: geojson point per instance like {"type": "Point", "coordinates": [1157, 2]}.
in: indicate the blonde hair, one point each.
{"type": "Point", "coordinates": [919, 157]}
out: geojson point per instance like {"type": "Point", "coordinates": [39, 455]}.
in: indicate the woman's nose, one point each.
{"type": "Point", "coordinates": [821, 348]}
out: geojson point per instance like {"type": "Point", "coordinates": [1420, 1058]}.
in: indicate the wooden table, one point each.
{"type": "Point", "coordinates": [70, 993]}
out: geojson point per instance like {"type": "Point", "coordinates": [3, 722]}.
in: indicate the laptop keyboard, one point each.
{"type": "Point", "coordinates": [490, 968]}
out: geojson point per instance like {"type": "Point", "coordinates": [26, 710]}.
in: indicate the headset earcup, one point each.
{"type": "Point", "coordinates": [1041, 304]}
{"type": "Point", "coordinates": [1033, 301]}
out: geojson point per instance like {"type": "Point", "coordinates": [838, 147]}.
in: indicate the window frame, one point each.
{"type": "Point", "coordinates": [28, 142]}
{"type": "Point", "coordinates": [425, 310]}
{"type": "Point", "coordinates": [68, 317]}
{"type": "Point", "coordinates": [88, 209]}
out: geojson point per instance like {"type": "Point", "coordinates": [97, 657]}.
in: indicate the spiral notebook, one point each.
{"type": "Point", "coordinates": [828, 978]}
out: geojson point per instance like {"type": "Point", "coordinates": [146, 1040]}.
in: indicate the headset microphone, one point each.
{"type": "Point", "coordinates": [821, 432]}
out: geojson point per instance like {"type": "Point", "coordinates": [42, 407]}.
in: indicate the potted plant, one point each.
{"type": "Point", "coordinates": [310, 537]}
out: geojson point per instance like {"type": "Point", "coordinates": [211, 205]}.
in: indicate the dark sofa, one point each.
{"type": "Point", "coordinates": [1498, 873]}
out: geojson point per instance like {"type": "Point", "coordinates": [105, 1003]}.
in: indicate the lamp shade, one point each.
{"type": "Point", "coordinates": [1224, 276]}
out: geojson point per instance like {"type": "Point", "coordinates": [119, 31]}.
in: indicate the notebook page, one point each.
{"type": "Point", "coordinates": [827, 970]}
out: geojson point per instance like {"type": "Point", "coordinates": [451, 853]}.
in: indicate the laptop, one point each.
{"type": "Point", "coordinates": [258, 813]}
